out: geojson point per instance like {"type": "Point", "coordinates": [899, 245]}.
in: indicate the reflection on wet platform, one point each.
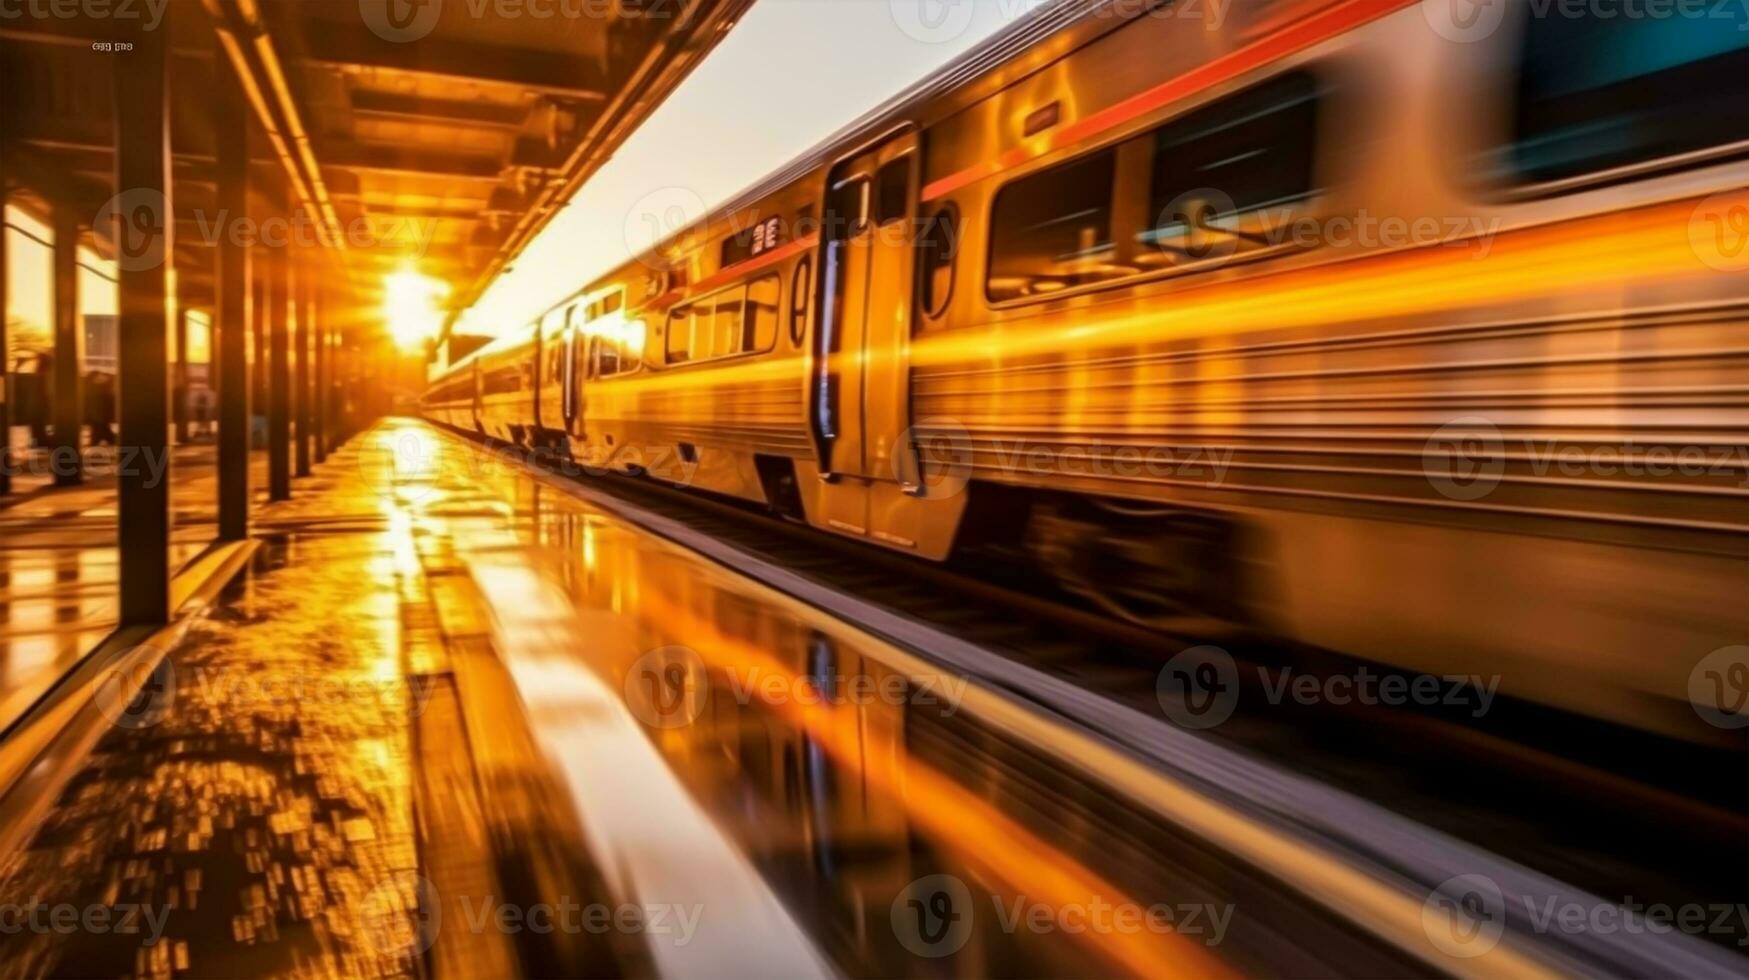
{"type": "Point", "coordinates": [58, 566]}
{"type": "Point", "coordinates": [455, 718]}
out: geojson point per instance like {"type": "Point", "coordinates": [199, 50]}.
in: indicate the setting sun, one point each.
{"type": "Point", "coordinates": [411, 304]}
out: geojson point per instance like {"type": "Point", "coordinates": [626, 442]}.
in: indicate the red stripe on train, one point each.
{"type": "Point", "coordinates": [1314, 30]}
{"type": "Point", "coordinates": [730, 273]}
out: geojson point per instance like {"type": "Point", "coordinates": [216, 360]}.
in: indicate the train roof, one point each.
{"type": "Point", "coordinates": [938, 95]}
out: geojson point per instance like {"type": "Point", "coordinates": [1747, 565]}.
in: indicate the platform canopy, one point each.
{"type": "Point", "coordinates": [440, 135]}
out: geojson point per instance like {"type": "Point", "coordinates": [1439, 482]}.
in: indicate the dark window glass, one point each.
{"type": "Point", "coordinates": [799, 299]}
{"type": "Point", "coordinates": [892, 194]}
{"type": "Point", "coordinates": [849, 208]}
{"type": "Point", "coordinates": [612, 303]}
{"type": "Point", "coordinates": [1599, 93]}
{"type": "Point", "coordinates": [679, 341]}
{"type": "Point", "coordinates": [1247, 153]}
{"type": "Point", "coordinates": [1052, 230]}
{"type": "Point", "coordinates": [936, 248]}
{"type": "Point", "coordinates": [606, 358]}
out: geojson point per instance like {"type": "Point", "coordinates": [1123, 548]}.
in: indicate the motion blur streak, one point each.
{"type": "Point", "coordinates": [1028, 864]}
{"type": "Point", "coordinates": [661, 845]}
{"type": "Point", "coordinates": [1614, 252]}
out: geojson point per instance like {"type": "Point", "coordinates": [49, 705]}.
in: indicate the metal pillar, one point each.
{"type": "Point", "coordinates": [142, 164]}
{"type": "Point", "coordinates": [258, 287]}
{"type": "Point", "coordinates": [278, 379]}
{"type": "Point", "coordinates": [179, 391]}
{"type": "Point", "coordinates": [7, 390]}
{"type": "Point", "coordinates": [319, 318]}
{"type": "Point", "coordinates": [301, 388]}
{"type": "Point", "coordinates": [233, 320]}
{"type": "Point", "coordinates": [65, 452]}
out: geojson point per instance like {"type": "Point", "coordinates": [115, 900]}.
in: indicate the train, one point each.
{"type": "Point", "coordinates": [1412, 330]}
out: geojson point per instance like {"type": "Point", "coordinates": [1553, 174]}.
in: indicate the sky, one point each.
{"type": "Point", "coordinates": [790, 74]}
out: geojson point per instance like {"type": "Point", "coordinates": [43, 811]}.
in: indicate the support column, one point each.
{"type": "Point", "coordinates": [319, 317]}
{"type": "Point", "coordinates": [8, 391]}
{"type": "Point", "coordinates": [278, 379]}
{"type": "Point", "coordinates": [142, 165]}
{"type": "Point", "coordinates": [305, 349]}
{"type": "Point", "coordinates": [258, 336]}
{"type": "Point", "coordinates": [233, 319]}
{"type": "Point", "coordinates": [179, 390]}
{"type": "Point", "coordinates": [66, 457]}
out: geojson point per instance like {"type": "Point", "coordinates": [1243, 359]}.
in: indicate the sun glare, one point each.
{"type": "Point", "coordinates": [411, 303]}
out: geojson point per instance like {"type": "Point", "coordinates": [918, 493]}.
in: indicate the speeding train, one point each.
{"type": "Point", "coordinates": [1409, 329]}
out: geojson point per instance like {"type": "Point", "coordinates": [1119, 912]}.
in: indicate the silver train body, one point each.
{"type": "Point", "coordinates": [1354, 321]}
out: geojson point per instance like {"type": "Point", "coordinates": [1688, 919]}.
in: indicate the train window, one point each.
{"type": "Point", "coordinates": [738, 320]}
{"type": "Point", "coordinates": [679, 343]}
{"type": "Point", "coordinates": [1191, 189]}
{"type": "Point", "coordinates": [1597, 93]}
{"type": "Point", "coordinates": [892, 190]}
{"type": "Point", "coordinates": [1052, 230]}
{"type": "Point", "coordinates": [1239, 157]}
{"type": "Point", "coordinates": [612, 303]}
{"type": "Point", "coordinates": [798, 300]}
{"type": "Point", "coordinates": [848, 213]}
{"type": "Point", "coordinates": [727, 323]}
{"type": "Point", "coordinates": [936, 247]}
{"type": "Point", "coordinates": [606, 358]}
{"type": "Point", "coordinates": [760, 330]}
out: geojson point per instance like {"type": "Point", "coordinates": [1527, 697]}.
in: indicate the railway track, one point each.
{"type": "Point", "coordinates": [1619, 814]}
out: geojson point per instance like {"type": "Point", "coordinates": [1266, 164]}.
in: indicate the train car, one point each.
{"type": "Point", "coordinates": [1364, 323]}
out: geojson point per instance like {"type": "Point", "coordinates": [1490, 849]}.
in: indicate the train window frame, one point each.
{"type": "Point", "coordinates": [800, 299]}
{"type": "Point", "coordinates": [887, 193]}
{"type": "Point", "coordinates": [1507, 185]}
{"type": "Point", "coordinates": [1325, 94]}
{"type": "Point", "coordinates": [931, 306]}
{"type": "Point", "coordinates": [689, 307]}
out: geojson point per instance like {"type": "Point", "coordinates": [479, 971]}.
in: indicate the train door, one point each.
{"type": "Point", "coordinates": [862, 346]}
{"type": "Point", "coordinates": [478, 399]}
{"type": "Point", "coordinates": [573, 379]}
{"type": "Point", "coordinates": [861, 393]}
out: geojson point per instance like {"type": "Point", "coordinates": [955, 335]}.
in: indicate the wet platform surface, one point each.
{"type": "Point", "coordinates": [453, 719]}
{"type": "Point", "coordinates": [58, 560]}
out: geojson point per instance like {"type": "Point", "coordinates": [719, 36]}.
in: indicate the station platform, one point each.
{"type": "Point", "coordinates": [448, 715]}
{"type": "Point", "coordinates": [424, 728]}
